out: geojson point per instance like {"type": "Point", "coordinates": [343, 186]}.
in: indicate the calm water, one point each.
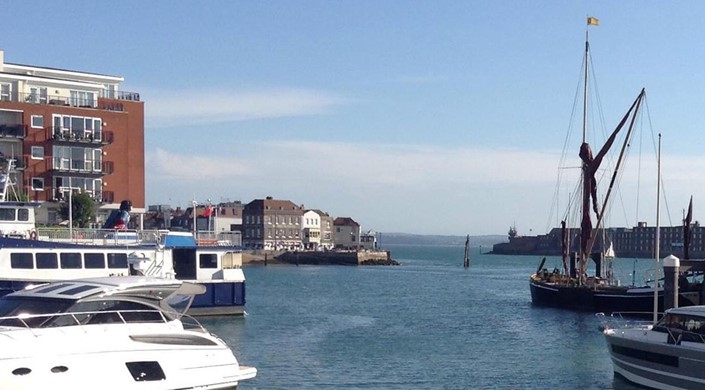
{"type": "Point", "coordinates": [427, 324]}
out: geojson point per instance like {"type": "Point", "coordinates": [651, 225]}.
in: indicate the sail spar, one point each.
{"type": "Point", "coordinates": [589, 167]}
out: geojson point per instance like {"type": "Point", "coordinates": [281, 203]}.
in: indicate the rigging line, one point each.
{"type": "Point", "coordinates": [555, 202]}
{"type": "Point", "coordinates": [654, 143]}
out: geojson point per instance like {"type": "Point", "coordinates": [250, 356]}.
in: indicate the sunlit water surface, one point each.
{"type": "Point", "coordinates": [428, 324]}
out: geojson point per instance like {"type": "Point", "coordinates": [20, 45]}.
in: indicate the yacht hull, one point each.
{"type": "Point", "coordinates": [656, 363]}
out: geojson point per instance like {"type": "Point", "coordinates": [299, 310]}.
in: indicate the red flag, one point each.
{"type": "Point", "coordinates": [208, 211]}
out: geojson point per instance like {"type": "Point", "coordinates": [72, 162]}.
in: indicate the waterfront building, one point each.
{"type": "Point", "coordinates": [74, 131]}
{"type": "Point", "coordinates": [327, 238]}
{"type": "Point", "coordinates": [272, 224]}
{"type": "Point", "coordinates": [368, 240]}
{"type": "Point", "coordinates": [311, 230]}
{"type": "Point", "coordinates": [638, 241]}
{"type": "Point", "coordinates": [347, 233]}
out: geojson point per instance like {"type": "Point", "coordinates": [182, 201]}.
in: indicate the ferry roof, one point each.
{"type": "Point", "coordinates": [155, 288]}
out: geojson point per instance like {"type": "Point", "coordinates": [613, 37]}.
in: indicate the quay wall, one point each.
{"type": "Point", "coordinates": [322, 258]}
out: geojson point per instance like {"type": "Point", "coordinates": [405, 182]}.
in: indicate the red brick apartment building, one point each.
{"type": "Point", "coordinates": [71, 130]}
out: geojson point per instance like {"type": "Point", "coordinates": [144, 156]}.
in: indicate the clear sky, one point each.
{"type": "Point", "coordinates": [431, 117]}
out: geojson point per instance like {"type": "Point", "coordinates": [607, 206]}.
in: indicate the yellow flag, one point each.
{"type": "Point", "coordinates": [592, 21]}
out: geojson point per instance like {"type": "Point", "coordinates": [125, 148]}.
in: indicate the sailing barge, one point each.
{"type": "Point", "coordinates": [571, 287]}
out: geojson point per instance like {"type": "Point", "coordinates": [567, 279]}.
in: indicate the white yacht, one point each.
{"type": "Point", "coordinates": [668, 355]}
{"type": "Point", "coordinates": [117, 332]}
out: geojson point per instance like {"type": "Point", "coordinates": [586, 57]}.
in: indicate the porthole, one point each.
{"type": "Point", "coordinates": [21, 371]}
{"type": "Point", "coordinates": [59, 369]}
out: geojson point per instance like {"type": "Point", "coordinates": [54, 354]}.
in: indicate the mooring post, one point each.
{"type": "Point", "coordinates": [671, 270]}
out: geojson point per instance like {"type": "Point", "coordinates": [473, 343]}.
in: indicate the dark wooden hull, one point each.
{"type": "Point", "coordinates": [606, 299]}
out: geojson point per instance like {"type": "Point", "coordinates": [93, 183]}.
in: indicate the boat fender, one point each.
{"type": "Point", "coordinates": [33, 235]}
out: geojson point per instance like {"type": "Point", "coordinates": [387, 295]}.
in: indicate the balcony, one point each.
{"type": "Point", "coordinates": [68, 135]}
{"type": "Point", "coordinates": [82, 102]}
{"type": "Point", "coordinates": [84, 168]}
{"type": "Point", "coordinates": [13, 131]}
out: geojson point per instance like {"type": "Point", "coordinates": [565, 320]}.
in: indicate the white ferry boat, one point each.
{"type": "Point", "coordinates": [175, 255]}
{"type": "Point", "coordinates": [117, 332]}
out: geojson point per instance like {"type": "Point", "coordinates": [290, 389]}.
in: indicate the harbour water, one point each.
{"type": "Point", "coordinates": [428, 324]}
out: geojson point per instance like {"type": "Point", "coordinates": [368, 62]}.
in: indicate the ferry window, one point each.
{"type": "Point", "coordinates": [94, 260]}
{"type": "Point", "coordinates": [47, 260]}
{"type": "Point", "coordinates": [117, 260]}
{"type": "Point", "coordinates": [70, 260]}
{"type": "Point", "coordinates": [7, 214]}
{"type": "Point", "coordinates": [21, 260]}
{"type": "Point", "coordinates": [23, 214]}
{"type": "Point", "coordinates": [208, 260]}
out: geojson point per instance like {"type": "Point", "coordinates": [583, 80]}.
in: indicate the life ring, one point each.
{"type": "Point", "coordinates": [33, 235]}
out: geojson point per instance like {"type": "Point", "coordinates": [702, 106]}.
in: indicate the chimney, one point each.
{"type": "Point", "coordinates": [2, 60]}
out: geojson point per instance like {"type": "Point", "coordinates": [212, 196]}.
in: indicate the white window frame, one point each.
{"type": "Point", "coordinates": [40, 118]}
{"type": "Point", "coordinates": [37, 152]}
{"type": "Point", "coordinates": [37, 180]}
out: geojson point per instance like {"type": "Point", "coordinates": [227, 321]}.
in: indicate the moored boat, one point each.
{"type": "Point", "coordinates": [667, 355]}
{"type": "Point", "coordinates": [174, 255]}
{"type": "Point", "coordinates": [571, 287]}
{"type": "Point", "coordinates": [116, 332]}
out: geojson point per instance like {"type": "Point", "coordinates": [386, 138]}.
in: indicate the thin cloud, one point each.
{"type": "Point", "coordinates": [166, 165]}
{"type": "Point", "coordinates": [189, 107]}
{"type": "Point", "coordinates": [360, 164]}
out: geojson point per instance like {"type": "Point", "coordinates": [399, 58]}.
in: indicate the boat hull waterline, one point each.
{"type": "Point", "coordinates": [601, 298]}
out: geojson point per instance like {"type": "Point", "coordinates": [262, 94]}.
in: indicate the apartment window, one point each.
{"type": "Point", "coordinates": [5, 92]}
{"type": "Point", "coordinates": [37, 121]}
{"type": "Point", "coordinates": [82, 98]}
{"type": "Point", "coordinates": [37, 152]}
{"type": "Point", "coordinates": [37, 184]}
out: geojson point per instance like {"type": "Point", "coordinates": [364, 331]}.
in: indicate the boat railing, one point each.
{"type": "Point", "coordinates": [625, 320]}
{"type": "Point", "coordinates": [34, 321]}
{"type": "Point", "coordinates": [99, 236]}
{"type": "Point", "coordinates": [213, 238]}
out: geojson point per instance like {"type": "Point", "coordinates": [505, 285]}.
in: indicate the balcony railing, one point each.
{"type": "Point", "coordinates": [86, 167]}
{"type": "Point", "coordinates": [13, 131]}
{"type": "Point", "coordinates": [79, 135]}
{"type": "Point", "coordinates": [63, 100]}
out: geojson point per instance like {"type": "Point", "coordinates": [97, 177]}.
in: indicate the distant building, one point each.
{"type": "Point", "coordinates": [347, 233]}
{"type": "Point", "coordinates": [638, 241]}
{"type": "Point", "coordinates": [272, 224]}
{"type": "Point", "coordinates": [227, 217]}
{"type": "Point", "coordinates": [311, 230]}
{"type": "Point", "coordinates": [368, 240]}
{"type": "Point", "coordinates": [327, 234]}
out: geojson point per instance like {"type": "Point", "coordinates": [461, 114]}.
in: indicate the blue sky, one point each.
{"type": "Point", "coordinates": [433, 117]}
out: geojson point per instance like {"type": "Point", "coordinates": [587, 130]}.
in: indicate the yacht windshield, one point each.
{"type": "Point", "coordinates": [12, 307]}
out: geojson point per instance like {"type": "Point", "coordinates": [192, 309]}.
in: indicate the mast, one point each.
{"type": "Point", "coordinates": [658, 234]}
{"type": "Point", "coordinates": [585, 210]}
